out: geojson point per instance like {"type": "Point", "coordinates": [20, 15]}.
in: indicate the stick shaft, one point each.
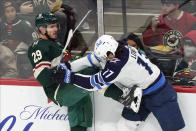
{"type": "Point", "coordinates": [71, 32]}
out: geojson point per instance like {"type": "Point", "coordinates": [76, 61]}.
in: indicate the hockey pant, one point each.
{"type": "Point", "coordinates": [164, 106]}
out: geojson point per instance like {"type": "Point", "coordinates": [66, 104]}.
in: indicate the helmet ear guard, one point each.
{"type": "Point", "coordinates": [104, 45]}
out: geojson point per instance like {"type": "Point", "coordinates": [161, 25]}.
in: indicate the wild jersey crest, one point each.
{"type": "Point", "coordinates": [172, 38]}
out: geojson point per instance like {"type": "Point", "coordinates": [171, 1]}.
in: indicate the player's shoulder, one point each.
{"type": "Point", "coordinates": [40, 45]}
{"type": "Point", "coordinates": [114, 61]}
{"type": "Point", "coordinates": [121, 59]}
{"type": "Point", "coordinates": [115, 64]}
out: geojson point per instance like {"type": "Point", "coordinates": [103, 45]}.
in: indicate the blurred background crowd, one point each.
{"type": "Point", "coordinates": [17, 30]}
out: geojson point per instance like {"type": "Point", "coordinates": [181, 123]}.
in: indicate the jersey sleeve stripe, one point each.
{"type": "Point", "coordinates": [87, 82]}
{"type": "Point", "coordinates": [42, 64]}
{"type": "Point", "coordinates": [93, 83]}
{"type": "Point", "coordinates": [97, 58]}
{"type": "Point", "coordinates": [97, 80]}
{"type": "Point", "coordinates": [38, 68]}
{"type": "Point", "coordinates": [89, 59]}
{"type": "Point", "coordinates": [101, 80]}
{"type": "Point", "coordinates": [159, 83]}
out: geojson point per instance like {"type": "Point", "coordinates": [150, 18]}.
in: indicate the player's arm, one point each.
{"type": "Point", "coordinates": [90, 82]}
{"type": "Point", "coordinates": [88, 61]}
{"type": "Point", "coordinates": [98, 81]}
{"type": "Point", "coordinates": [41, 65]}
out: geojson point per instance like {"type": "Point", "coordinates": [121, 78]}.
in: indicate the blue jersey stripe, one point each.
{"type": "Point", "coordinates": [97, 58]}
{"type": "Point", "coordinates": [102, 81]}
{"type": "Point", "coordinates": [93, 83]}
{"type": "Point", "coordinates": [98, 81]}
{"type": "Point", "coordinates": [156, 85]}
{"type": "Point", "coordinates": [89, 59]}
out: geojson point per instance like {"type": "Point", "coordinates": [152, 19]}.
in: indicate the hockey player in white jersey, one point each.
{"type": "Point", "coordinates": [127, 68]}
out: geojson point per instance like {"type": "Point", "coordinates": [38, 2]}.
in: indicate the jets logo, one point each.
{"type": "Point", "coordinates": [99, 43]}
{"type": "Point", "coordinates": [172, 38]}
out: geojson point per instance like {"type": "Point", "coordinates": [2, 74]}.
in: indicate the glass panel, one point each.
{"type": "Point", "coordinates": [88, 28]}
{"type": "Point", "coordinates": [18, 30]}
{"type": "Point", "coordinates": [166, 29]}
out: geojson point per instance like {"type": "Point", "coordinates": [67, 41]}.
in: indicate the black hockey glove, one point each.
{"type": "Point", "coordinates": [127, 97]}
{"type": "Point", "coordinates": [61, 73]}
{"type": "Point", "coordinates": [131, 98]}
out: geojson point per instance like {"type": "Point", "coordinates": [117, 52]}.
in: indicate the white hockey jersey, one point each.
{"type": "Point", "coordinates": [129, 69]}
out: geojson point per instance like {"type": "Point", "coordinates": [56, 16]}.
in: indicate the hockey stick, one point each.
{"type": "Point", "coordinates": [57, 61]}
{"type": "Point", "coordinates": [69, 37]}
{"type": "Point", "coordinates": [71, 32]}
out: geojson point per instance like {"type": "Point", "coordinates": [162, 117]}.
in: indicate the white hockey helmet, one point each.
{"type": "Point", "coordinates": [105, 43]}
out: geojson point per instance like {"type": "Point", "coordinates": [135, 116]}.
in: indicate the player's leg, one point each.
{"type": "Point", "coordinates": [78, 128]}
{"type": "Point", "coordinates": [130, 120]}
{"type": "Point", "coordinates": [165, 108]}
{"type": "Point", "coordinates": [113, 92]}
{"type": "Point", "coordinates": [81, 114]}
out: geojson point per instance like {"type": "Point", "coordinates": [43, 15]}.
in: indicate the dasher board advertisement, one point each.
{"type": "Point", "coordinates": [25, 107]}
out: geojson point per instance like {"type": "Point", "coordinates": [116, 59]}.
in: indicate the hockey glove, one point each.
{"type": "Point", "coordinates": [131, 98]}
{"type": "Point", "coordinates": [61, 73]}
{"type": "Point", "coordinates": [66, 57]}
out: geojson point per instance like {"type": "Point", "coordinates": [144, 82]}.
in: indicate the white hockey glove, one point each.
{"type": "Point", "coordinates": [131, 98]}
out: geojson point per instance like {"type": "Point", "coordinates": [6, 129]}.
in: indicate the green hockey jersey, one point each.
{"type": "Point", "coordinates": [42, 54]}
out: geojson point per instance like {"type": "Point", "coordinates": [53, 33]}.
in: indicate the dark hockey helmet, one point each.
{"type": "Point", "coordinates": [44, 19]}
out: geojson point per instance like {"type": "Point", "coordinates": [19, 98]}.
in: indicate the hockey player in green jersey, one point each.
{"type": "Point", "coordinates": [42, 55]}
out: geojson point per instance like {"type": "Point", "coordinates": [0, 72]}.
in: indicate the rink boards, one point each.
{"type": "Point", "coordinates": [24, 106]}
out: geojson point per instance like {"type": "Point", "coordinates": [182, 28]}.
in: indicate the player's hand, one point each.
{"type": "Point", "coordinates": [66, 56]}
{"type": "Point", "coordinates": [131, 98]}
{"type": "Point", "coordinates": [61, 73]}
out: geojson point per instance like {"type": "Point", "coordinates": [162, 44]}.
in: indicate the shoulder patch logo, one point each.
{"type": "Point", "coordinates": [114, 60]}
